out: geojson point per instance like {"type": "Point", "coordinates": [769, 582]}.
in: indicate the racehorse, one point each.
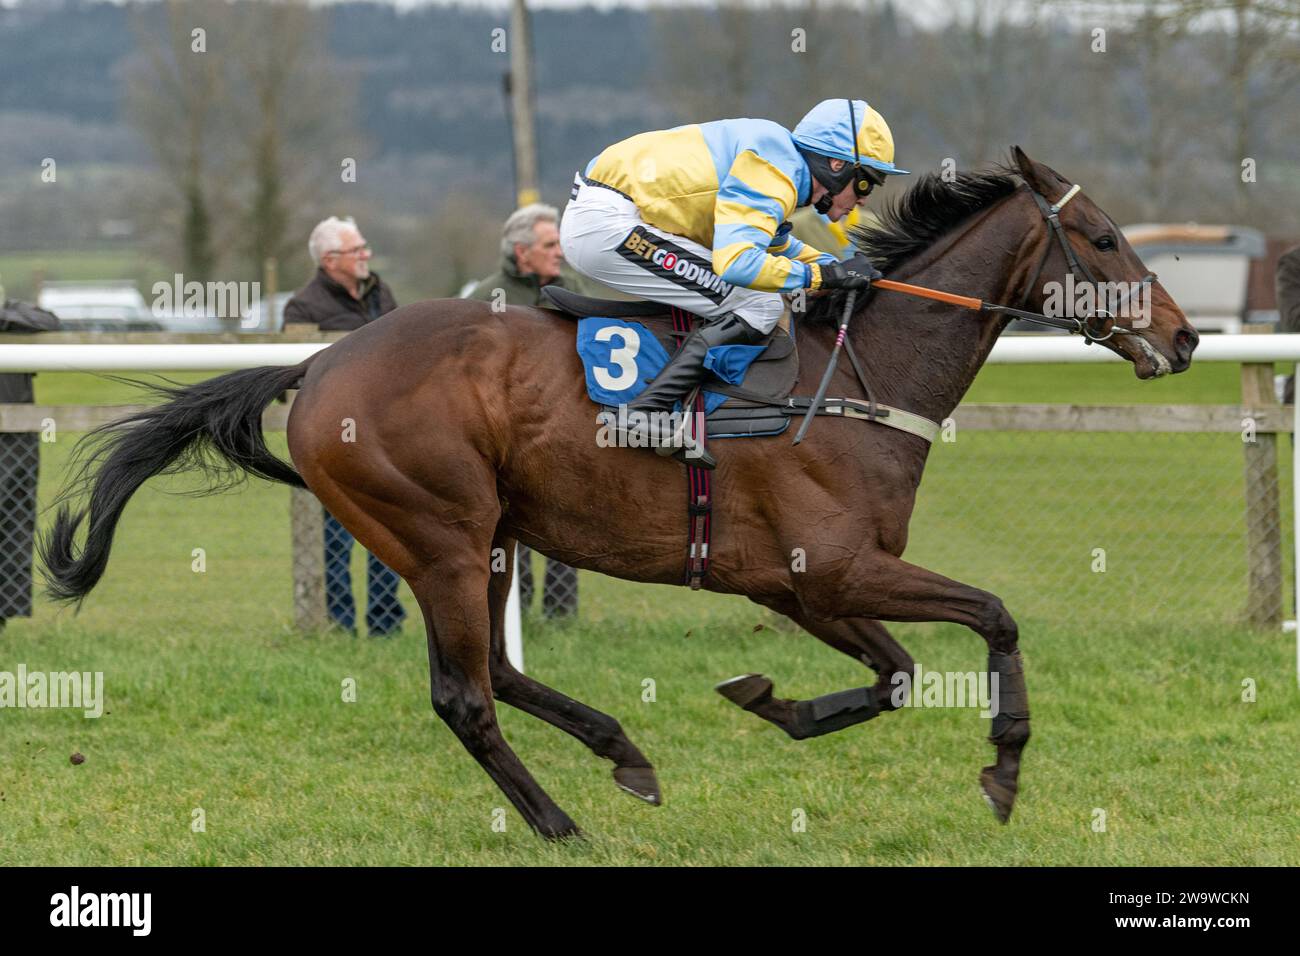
{"type": "Point", "coordinates": [446, 432]}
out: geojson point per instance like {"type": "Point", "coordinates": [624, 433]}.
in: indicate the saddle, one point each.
{"type": "Point", "coordinates": [751, 409]}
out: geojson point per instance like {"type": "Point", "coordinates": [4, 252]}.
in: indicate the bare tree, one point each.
{"type": "Point", "coordinates": [294, 120]}
{"type": "Point", "coordinates": [250, 123]}
{"type": "Point", "coordinates": [710, 56]}
{"type": "Point", "coordinates": [178, 97]}
{"type": "Point", "coordinates": [1261, 67]}
{"type": "Point", "coordinates": [1218, 77]}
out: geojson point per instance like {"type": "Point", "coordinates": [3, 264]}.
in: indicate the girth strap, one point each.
{"type": "Point", "coordinates": [699, 486]}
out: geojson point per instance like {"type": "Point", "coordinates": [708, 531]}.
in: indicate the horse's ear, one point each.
{"type": "Point", "coordinates": [1022, 161]}
{"type": "Point", "coordinates": [1041, 178]}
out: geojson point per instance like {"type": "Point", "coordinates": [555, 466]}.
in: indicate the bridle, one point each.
{"type": "Point", "coordinates": [1100, 325]}
{"type": "Point", "coordinates": [1097, 327]}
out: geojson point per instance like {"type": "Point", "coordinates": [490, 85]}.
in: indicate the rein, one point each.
{"type": "Point", "coordinates": [1097, 327]}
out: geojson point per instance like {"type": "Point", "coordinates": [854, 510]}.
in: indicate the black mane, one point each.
{"type": "Point", "coordinates": [916, 219]}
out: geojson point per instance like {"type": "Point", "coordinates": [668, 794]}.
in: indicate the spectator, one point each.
{"type": "Point", "coordinates": [531, 259]}
{"type": "Point", "coordinates": [816, 230]}
{"type": "Point", "coordinates": [342, 296]}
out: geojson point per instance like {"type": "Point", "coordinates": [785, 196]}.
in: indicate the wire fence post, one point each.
{"type": "Point", "coordinates": [307, 529]}
{"type": "Point", "coordinates": [1263, 514]}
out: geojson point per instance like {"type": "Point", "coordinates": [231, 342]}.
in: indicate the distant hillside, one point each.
{"type": "Point", "coordinates": [428, 80]}
{"type": "Point", "coordinates": [1158, 126]}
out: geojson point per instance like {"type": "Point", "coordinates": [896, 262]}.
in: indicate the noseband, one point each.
{"type": "Point", "coordinates": [1100, 325]}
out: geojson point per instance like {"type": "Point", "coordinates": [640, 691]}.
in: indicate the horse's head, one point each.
{"type": "Point", "coordinates": [1151, 331]}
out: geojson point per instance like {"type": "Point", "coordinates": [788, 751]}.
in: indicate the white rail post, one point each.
{"type": "Point", "coordinates": [1264, 603]}
{"type": "Point", "coordinates": [1295, 518]}
{"type": "Point", "coordinates": [514, 626]}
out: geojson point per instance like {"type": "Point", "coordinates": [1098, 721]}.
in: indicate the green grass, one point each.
{"type": "Point", "coordinates": [1212, 383]}
{"type": "Point", "coordinates": [1135, 677]}
{"type": "Point", "coordinates": [19, 270]}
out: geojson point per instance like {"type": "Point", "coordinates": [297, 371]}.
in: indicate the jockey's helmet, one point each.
{"type": "Point", "coordinates": [854, 132]}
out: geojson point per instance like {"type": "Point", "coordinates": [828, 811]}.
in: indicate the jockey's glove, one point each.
{"type": "Point", "coordinates": [854, 273]}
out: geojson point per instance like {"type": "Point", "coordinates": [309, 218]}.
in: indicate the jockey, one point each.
{"type": "Point", "coordinates": [698, 217]}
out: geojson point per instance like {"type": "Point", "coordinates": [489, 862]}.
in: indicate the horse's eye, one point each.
{"type": "Point", "coordinates": [1105, 243]}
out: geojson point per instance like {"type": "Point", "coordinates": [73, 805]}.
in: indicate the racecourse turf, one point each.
{"type": "Point", "coordinates": [1144, 751]}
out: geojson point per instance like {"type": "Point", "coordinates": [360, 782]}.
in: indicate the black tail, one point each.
{"type": "Point", "coordinates": [214, 426]}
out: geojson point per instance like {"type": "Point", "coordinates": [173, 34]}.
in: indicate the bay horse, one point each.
{"type": "Point", "coordinates": [446, 432]}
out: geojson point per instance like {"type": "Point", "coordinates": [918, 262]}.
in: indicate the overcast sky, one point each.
{"type": "Point", "coordinates": [925, 12]}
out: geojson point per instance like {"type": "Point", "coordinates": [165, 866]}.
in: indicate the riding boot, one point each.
{"type": "Point", "coordinates": [669, 434]}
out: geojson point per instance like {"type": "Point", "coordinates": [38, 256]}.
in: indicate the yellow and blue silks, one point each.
{"type": "Point", "coordinates": [728, 185]}
{"type": "Point", "coordinates": [731, 185]}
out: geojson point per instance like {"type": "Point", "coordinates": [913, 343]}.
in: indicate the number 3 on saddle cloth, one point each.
{"type": "Point", "coordinates": [621, 356]}
{"type": "Point", "coordinates": [624, 344]}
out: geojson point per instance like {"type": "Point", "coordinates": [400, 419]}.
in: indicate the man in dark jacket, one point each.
{"type": "Point", "coordinates": [530, 260]}
{"type": "Point", "coordinates": [1288, 290]}
{"type": "Point", "coordinates": [342, 296]}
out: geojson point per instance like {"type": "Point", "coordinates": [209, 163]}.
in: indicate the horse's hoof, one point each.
{"type": "Point", "coordinates": [746, 690]}
{"type": "Point", "coordinates": [999, 796]}
{"type": "Point", "coordinates": [565, 832]}
{"type": "Point", "coordinates": [640, 782]}
{"type": "Point", "coordinates": [571, 837]}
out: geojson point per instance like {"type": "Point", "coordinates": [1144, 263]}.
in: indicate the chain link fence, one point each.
{"type": "Point", "coordinates": [1192, 529]}
{"type": "Point", "coordinates": [20, 462]}
{"type": "Point", "coordinates": [559, 585]}
{"type": "Point", "coordinates": [323, 589]}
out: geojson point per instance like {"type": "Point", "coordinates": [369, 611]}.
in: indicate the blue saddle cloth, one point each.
{"type": "Point", "coordinates": [620, 357]}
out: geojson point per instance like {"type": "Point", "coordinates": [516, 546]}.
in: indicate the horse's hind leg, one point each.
{"type": "Point", "coordinates": [454, 601]}
{"type": "Point", "coordinates": [892, 589]}
{"type": "Point", "coordinates": [600, 732]}
{"type": "Point", "coordinates": [865, 641]}
{"type": "Point", "coordinates": [870, 643]}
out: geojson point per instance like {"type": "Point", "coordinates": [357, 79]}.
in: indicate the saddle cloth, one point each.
{"type": "Point", "coordinates": [624, 344]}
